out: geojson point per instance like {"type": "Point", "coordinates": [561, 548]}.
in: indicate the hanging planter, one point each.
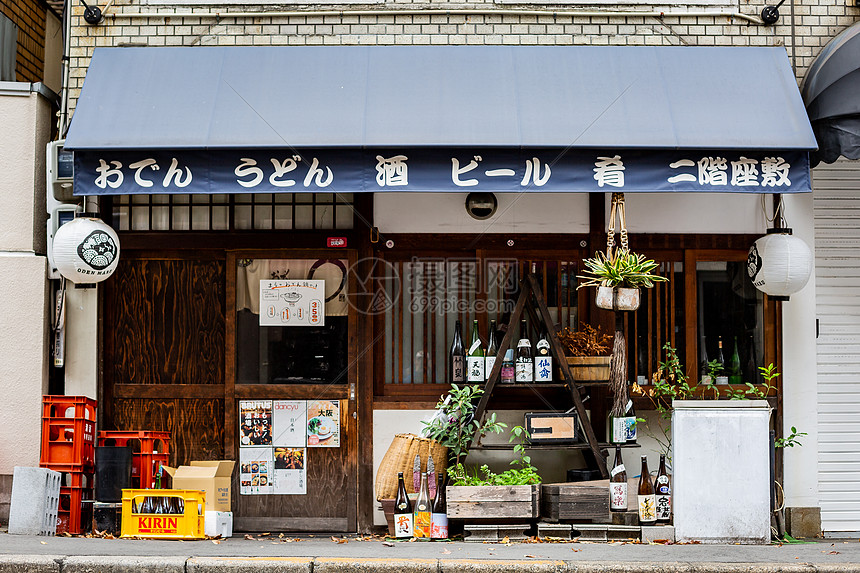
{"type": "Point", "coordinates": [618, 298]}
{"type": "Point", "coordinates": [618, 275]}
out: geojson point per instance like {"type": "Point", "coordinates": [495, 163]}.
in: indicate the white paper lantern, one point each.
{"type": "Point", "coordinates": [779, 264]}
{"type": "Point", "coordinates": [86, 250]}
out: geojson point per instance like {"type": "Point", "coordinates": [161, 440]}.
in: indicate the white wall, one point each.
{"type": "Point", "coordinates": [446, 213]}
{"type": "Point", "coordinates": [568, 213]}
{"type": "Point", "coordinates": [799, 376]}
{"type": "Point", "coordinates": [23, 291]}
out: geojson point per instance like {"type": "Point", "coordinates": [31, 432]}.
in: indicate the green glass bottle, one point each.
{"type": "Point", "coordinates": [735, 372]}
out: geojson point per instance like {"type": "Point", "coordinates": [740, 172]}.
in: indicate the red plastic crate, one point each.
{"type": "Point", "coordinates": [68, 441]}
{"type": "Point", "coordinates": [73, 515]}
{"type": "Point", "coordinates": [69, 407]}
{"type": "Point", "coordinates": [144, 461]}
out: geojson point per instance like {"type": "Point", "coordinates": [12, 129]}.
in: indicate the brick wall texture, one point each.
{"type": "Point", "coordinates": [200, 23]}
{"type": "Point", "coordinates": [29, 16]}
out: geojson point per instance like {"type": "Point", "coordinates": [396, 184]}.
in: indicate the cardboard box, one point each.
{"type": "Point", "coordinates": [212, 477]}
{"type": "Point", "coordinates": [218, 523]}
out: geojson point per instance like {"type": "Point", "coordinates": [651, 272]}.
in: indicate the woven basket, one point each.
{"type": "Point", "coordinates": [400, 458]}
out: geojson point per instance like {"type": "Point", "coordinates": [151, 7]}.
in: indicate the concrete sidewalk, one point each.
{"type": "Point", "coordinates": [323, 554]}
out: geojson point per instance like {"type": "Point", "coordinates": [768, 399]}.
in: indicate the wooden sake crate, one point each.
{"type": "Point", "coordinates": [575, 502]}
{"type": "Point", "coordinates": [493, 502]}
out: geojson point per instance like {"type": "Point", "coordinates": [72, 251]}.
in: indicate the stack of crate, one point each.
{"type": "Point", "coordinates": [68, 447]}
{"type": "Point", "coordinates": [150, 450]}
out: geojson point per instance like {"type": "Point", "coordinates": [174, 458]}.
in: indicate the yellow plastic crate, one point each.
{"type": "Point", "coordinates": [186, 525]}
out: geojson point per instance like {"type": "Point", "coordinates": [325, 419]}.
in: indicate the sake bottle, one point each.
{"type": "Point", "coordinates": [475, 357]}
{"type": "Point", "coordinates": [439, 514]}
{"type": "Point", "coordinates": [423, 511]}
{"type": "Point", "coordinates": [618, 484]}
{"type": "Point", "coordinates": [646, 497]}
{"type": "Point", "coordinates": [402, 510]}
{"type": "Point", "coordinates": [543, 359]}
{"type": "Point", "coordinates": [457, 357]}
{"type": "Point", "coordinates": [492, 350]}
{"type": "Point", "coordinates": [663, 489]}
{"type": "Point", "coordinates": [525, 361]}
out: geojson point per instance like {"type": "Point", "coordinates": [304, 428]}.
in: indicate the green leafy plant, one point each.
{"type": "Point", "coordinates": [752, 391]}
{"type": "Point", "coordinates": [526, 474]}
{"type": "Point", "coordinates": [621, 269]}
{"type": "Point", "coordinates": [791, 440]}
{"type": "Point", "coordinates": [668, 383]}
{"type": "Point", "coordinates": [454, 426]}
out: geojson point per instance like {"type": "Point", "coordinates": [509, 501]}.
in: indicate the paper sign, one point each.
{"type": "Point", "coordinates": [256, 468]}
{"type": "Point", "coordinates": [323, 427]}
{"type": "Point", "coordinates": [289, 423]}
{"type": "Point", "coordinates": [255, 422]}
{"type": "Point", "coordinates": [292, 303]}
{"type": "Point", "coordinates": [290, 472]}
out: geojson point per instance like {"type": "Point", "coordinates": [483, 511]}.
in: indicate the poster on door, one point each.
{"type": "Point", "coordinates": [289, 423]}
{"type": "Point", "coordinates": [292, 303]}
{"type": "Point", "coordinates": [256, 468]}
{"type": "Point", "coordinates": [290, 474]}
{"type": "Point", "coordinates": [255, 422]}
{"type": "Point", "coordinates": [324, 423]}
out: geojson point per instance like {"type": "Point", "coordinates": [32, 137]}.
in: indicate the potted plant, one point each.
{"type": "Point", "coordinates": [618, 278]}
{"type": "Point", "coordinates": [480, 493]}
{"type": "Point", "coordinates": [588, 352]}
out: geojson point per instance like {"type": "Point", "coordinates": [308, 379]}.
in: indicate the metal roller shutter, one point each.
{"type": "Point", "coordinates": [837, 274]}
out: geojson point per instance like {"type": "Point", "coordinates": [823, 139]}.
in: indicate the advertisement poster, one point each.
{"type": "Point", "coordinates": [289, 423]}
{"type": "Point", "coordinates": [324, 424]}
{"type": "Point", "coordinates": [256, 468]}
{"type": "Point", "coordinates": [292, 303]}
{"type": "Point", "coordinates": [290, 474]}
{"type": "Point", "coordinates": [255, 422]}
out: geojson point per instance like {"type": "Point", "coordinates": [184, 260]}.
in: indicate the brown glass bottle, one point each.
{"type": "Point", "coordinates": [618, 484]}
{"type": "Point", "coordinates": [646, 497]}
{"type": "Point", "coordinates": [439, 515]}
{"type": "Point", "coordinates": [663, 491]}
{"type": "Point", "coordinates": [402, 510]}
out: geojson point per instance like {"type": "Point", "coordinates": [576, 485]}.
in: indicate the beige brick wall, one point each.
{"type": "Point", "coordinates": [177, 25]}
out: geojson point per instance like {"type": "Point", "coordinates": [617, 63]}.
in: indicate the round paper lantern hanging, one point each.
{"type": "Point", "coordinates": [779, 264]}
{"type": "Point", "coordinates": [86, 250]}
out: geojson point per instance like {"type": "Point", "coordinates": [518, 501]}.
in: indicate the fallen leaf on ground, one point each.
{"type": "Point", "coordinates": [43, 542]}
{"type": "Point", "coordinates": [575, 549]}
{"type": "Point", "coordinates": [506, 539]}
{"type": "Point", "coordinates": [263, 534]}
{"type": "Point", "coordinates": [216, 541]}
{"type": "Point", "coordinates": [446, 552]}
{"type": "Point", "coordinates": [249, 536]}
{"type": "Point", "coordinates": [833, 552]}
{"type": "Point", "coordinates": [388, 544]}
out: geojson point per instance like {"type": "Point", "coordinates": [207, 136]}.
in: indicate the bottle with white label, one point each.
{"type": "Point", "coordinates": [664, 493]}
{"type": "Point", "coordinates": [492, 350]}
{"type": "Point", "coordinates": [630, 425]}
{"type": "Point", "coordinates": [646, 499]}
{"type": "Point", "coordinates": [403, 515]}
{"type": "Point", "coordinates": [475, 357]}
{"type": "Point", "coordinates": [543, 359]}
{"type": "Point", "coordinates": [525, 365]}
{"type": "Point", "coordinates": [618, 484]}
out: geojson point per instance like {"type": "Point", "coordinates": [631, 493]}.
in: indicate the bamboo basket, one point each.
{"type": "Point", "coordinates": [400, 458]}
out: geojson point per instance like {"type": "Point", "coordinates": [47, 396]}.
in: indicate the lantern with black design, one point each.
{"type": "Point", "coordinates": [86, 250]}
{"type": "Point", "coordinates": [779, 264]}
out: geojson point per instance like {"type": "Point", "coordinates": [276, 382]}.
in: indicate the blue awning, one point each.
{"type": "Point", "coordinates": [578, 102]}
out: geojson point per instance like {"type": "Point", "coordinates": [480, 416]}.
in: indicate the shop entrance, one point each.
{"type": "Point", "coordinates": [291, 385]}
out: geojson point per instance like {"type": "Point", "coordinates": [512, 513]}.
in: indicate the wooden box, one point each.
{"type": "Point", "coordinates": [589, 368]}
{"type": "Point", "coordinates": [493, 501]}
{"type": "Point", "coordinates": [552, 428]}
{"type": "Point", "coordinates": [573, 501]}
